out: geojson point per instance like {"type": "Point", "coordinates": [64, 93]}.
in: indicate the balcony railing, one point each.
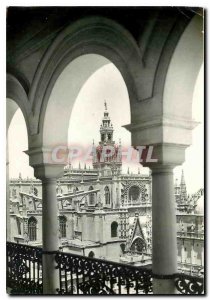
{"type": "Point", "coordinates": [191, 235]}
{"type": "Point", "coordinates": [84, 275]}
{"type": "Point", "coordinates": [24, 269]}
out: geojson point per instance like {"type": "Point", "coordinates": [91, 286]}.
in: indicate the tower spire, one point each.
{"type": "Point", "coordinates": [183, 189]}
{"type": "Point", "coordinates": [100, 160]}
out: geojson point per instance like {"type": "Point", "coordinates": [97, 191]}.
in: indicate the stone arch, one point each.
{"type": "Point", "coordinates": [17, 98]}
{"type": "Point", "coordinates": [94, 35]}
{"type": "Point", "coordinates": [184, 69]}
{"type": "Point", "coordinates": [166, 119]}
{"type": "Point", "coordinates": [32, 229]}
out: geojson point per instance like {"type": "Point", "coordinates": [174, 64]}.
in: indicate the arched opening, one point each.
{"type": "Point", "coordinates": [91, 196]}
{"type": "Point", "coordinates": [134, 193]}
{"type": "Point", "coordinates": [107, 195]}
{"type": "Point", "coordinates": [17, 142]}
{"type": "Point", "coordinates": [17, 162]}
{"type": "Point", "coordinates": [138, 245]}
{"type": "Point", "coordinates": [62, 226]}
{"type": "Point", "coordinates": [114, 227]}
{"type": "Point", "coordinates": [91, 254]}
{"type": "Point", "coordinates": [32, 229]}
{"type": "Point", "coordinates": [78, 101]}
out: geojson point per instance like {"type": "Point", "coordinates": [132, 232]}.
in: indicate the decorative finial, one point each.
{"type": "Point", "coordinates": [105, 104]}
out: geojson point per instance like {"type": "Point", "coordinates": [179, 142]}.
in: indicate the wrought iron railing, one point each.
{"type": "Point", "coordinates": [189, 285]}
{"type": "Point", "coordinates": [24, 269]}
{"type": "Point", "coordinates": [84, 275]}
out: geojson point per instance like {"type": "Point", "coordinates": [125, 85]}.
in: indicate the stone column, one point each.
{"type": "Point", "coordinates": [161, 127]}
{"type": "Point", "coordinates": [164, 240]}
{"type": "Point", "coordinates": [49, 174]}
{"type": "Point", "coordinates": [50, 235]}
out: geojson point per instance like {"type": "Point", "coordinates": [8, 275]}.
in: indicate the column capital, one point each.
{"type": "Point", "coordinates": [48, 172]}
{"type": "Point", "coordinates": [164, 128]}
{"type": "Point", "coordinates": [169, 135]}
{"type": "Point", "coordinates": [167, 157]}
{"type": "Point", "coordinates": [45, 163]}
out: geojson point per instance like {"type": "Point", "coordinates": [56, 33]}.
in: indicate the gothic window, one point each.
{"type": "Point", "coordinates": [32, 229]}
{"type": "Point", "coordinates": [138, 245]}
{"type": "Point", "coordinates": [91, 254]}
{"type": "Point", "coordinates": [91, 196]}
{"type": "Point", "coordinates": [35, 192]}
{"type": "Point", "coordinates": [102, 137]}
{"type": "Point", "coordinates": [109, 136]}
{"type": "Point", "coordinates": [114, 227]}
{"type": "Point", "coordinates": [134, 193]}
{"type": "Point", "coordinates": [107, 195]}
{"type": "Point", "coordinates": [19, 226]}
{"type": "Point", "coordinates": [62, 223]}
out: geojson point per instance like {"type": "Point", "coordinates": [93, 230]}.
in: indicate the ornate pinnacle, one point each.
{"type": "Point", "coordinates": [105, 104]}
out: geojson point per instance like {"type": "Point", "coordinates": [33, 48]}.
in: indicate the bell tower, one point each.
{"type": "Point", "coordinates": [107, 157]}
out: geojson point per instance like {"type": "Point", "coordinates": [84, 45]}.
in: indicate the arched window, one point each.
{"type": "Point", "coordinates": [62, 224]}
{"type": "Point", "coordinates": [107, 195]}
{"type": "Point", "coordinates": [114, 226]}
{"type": "Point", "coordinates": [35, 191]}
{"type": "Point", "coordinates": [32, 228]}
{"type": "Point", "coordinates": [91, 196]}
{"type": "Point", "coordinates": [138, 245]}
{"type": "Point", "coordinates": [91, 254]}
{"type": "Point", "coordinates": [134, 193]}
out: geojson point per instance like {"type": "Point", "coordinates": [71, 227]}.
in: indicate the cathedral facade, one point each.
{"type": "Point", "coordinates": [104, 213]}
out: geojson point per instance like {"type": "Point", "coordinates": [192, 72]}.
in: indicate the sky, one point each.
{"type": "Point", "coordinates": [108, 84]}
